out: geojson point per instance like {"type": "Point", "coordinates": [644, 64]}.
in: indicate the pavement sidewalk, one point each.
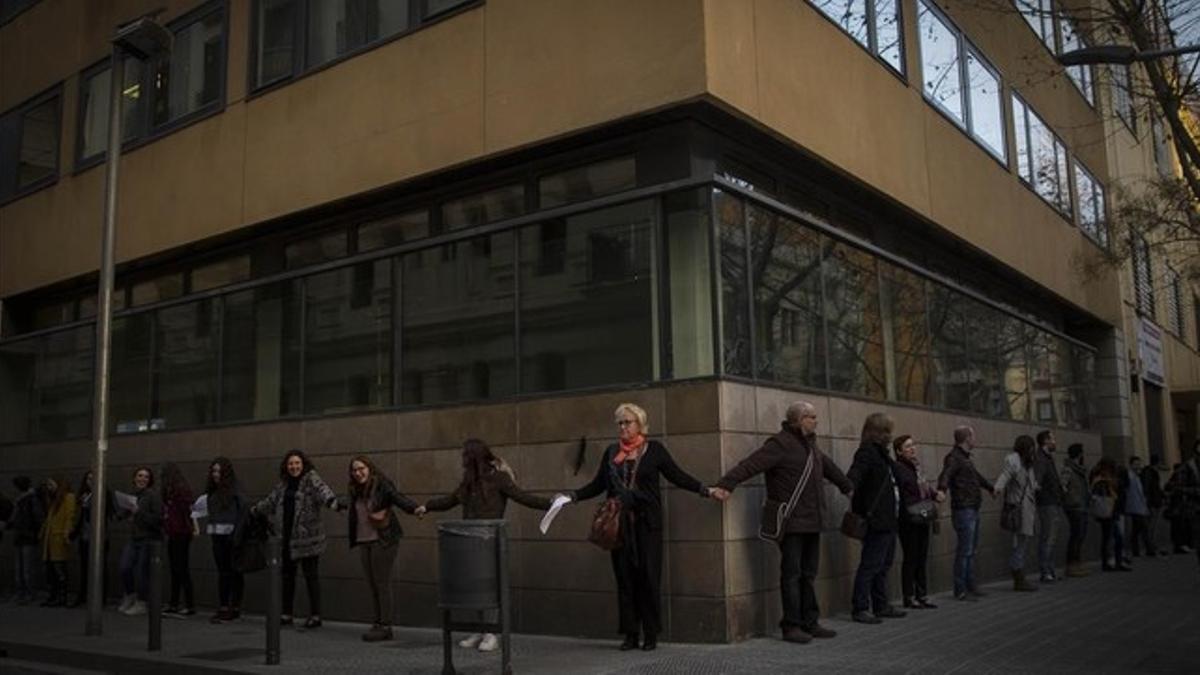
{"type": "Point", "coordinates": [1147, 621]}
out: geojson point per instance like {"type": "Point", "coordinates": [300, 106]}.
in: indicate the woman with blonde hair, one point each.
{"type": "Point", "coordinates": [629, 471]}
{"type": "Point", "coordinates": [55, 538]}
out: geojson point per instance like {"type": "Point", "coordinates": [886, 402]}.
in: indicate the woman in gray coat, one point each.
{"type": "Point", "coordinates": [1020, 486]}
{"type": "Point", "coordinates": [294, 507]}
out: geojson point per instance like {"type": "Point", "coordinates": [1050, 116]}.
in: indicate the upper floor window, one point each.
{"type": "Point", "coordinates": [1162, 151]}
{"type": "Point", "coordinates": [1041, 157]}
{"type": "Point", "coordinates": [1121, 80]}
{"type": "Point", "coordinates": [1081, 76]}
{"type": "Point", "coordinates": [1143, 276]}
{"type": "Point", "coordinates": [959, 81]}
{"type": "Point", "coordinates": [29, 138]}
{"type": "Point", "coordinates": [1174, 302]}
{"type": "Point", "coordinates": [291, 37]}
{"type": "Point", "coordinates": [874, 24]}
{"type": "Point", "coordinates": [157, 96]}
{"type": "Point", "coordinates": [1089, 199]}
{"type": "Point", "coordinates": [1039, 14]}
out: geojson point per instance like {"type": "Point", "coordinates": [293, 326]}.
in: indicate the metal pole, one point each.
{"type": "Point", "coordinates": [103, 349]}
{"type": "Point", "coordinates": [274, 599]}
{"type": "Point", "coordinates": [505, 625]}
{"type": "Point", "coordinates": [155, 610]}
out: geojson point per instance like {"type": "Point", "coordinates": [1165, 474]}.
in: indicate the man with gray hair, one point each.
{"type": "Point", "coordinates": [783, 459]}
{"type": "Point", "coordinates": [964, 482]}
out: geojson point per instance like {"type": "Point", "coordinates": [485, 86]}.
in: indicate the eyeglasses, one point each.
{"type": "Point", "coordinates": [626, 423]}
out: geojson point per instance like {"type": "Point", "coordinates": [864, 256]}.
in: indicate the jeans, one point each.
{"type": "Point", "coordinates": [914, 539]}
{"type": "Point", "coordinates": [966, 526]}
{"type": "Point", "coordinates": [870, 582]}
{"type": "Point", "coordinates": [1112, 543]}
{"type": "Point", "coordinates": [1077, 521]}
{"type": "Point", "coordinates": [312, 581]}
{"type": "Point", "coordinates": [800, 557]}
{"type": "Point", "coordinates": [230, 582]}
{"type": "Point", "coordinates": [25, 566]}
{"type": "Point", "coordinates": [1047, 520]}
{"type": "Point", "coordinates": [135, 568]}
{"type": "Point", "coordinates": [1016, 560]}
{"type": "Point", "coordinates": [377, 559]}
{"type": "Point", "coordinates": [1141, 535]}
{"type": "Point", "coordinates": [181, 573]}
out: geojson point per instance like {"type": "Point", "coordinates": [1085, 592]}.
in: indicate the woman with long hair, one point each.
{"type": "Point", "coordinates": [177, 525]}
{"type": "Point", "coordinates": [487, 485]}
{"type": "Point", "coordinates": [375, 530]}
{"type": "Point", "coordinates": [1107, 481]}
{"type": "Point", "coordinates": [147, 527]}
{"type": "Point", "coordinates": [82, 533]}
{"type": "Point", "coordinates": [630, 471]}
{"type": "Point", "coordinates": [294, 506]}
{"type": "Point", "coordinates": [225, 509]}
{"type": "Point", "coordinates": [1019, 482]}
{"type": "Point", "coordinates": [872, 473]}
{"type": "Point", "coordinates": [55, 538]}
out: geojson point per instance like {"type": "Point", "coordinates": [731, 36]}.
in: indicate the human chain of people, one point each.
{"type": "Point", "coordinates": [891, 495]}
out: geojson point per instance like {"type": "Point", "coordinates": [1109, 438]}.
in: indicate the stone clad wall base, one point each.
{"type": "Point", "coordinates": [720, 582]}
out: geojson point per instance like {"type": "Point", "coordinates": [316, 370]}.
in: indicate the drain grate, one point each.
{"type": "Point", "coordinates": [233, 654]}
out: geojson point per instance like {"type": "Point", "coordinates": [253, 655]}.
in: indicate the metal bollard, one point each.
{"type": "Point", "coordinates": [154, 612]}
{"type": "Point", "coordinates": [274, 599]}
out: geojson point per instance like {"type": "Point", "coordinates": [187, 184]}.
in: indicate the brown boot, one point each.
{"type": "Point", "coordinates": [1019, 582]}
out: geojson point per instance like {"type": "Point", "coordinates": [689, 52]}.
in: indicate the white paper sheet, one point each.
{"type": "Point", "coordinates": [200, 508]}
{"type": "Point", "coordinates": [555, 506]}
{"type": "Point", "coordinates": [125, 501]}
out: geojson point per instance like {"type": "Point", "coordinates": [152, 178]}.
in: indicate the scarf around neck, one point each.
{"type": "Point", "coordinates": [630, 450]}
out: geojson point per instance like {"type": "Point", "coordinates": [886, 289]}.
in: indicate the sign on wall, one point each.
{"type": "Point", "coordinates": [1150, 352]}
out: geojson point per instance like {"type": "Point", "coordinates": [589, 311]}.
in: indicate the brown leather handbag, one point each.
{"type": "Point", "coordinates": [606, 523]}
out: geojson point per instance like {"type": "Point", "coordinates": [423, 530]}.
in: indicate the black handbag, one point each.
{"type": "Point", "coordinates": [922, 513]}
{"type": "Point", "coordinates": [776, 513]}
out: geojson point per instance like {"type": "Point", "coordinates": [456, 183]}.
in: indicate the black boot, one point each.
{"type": "Point", "coordinates": [631, 642]}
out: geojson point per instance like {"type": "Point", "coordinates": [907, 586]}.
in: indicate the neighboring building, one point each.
{"type": "Point", "coordinates": [387, 226]}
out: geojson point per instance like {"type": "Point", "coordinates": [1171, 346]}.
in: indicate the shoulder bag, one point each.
{"type": "Point", "coordinates": [606, 523]}
{"type": "Point", "coordinates": [776, 513]}
{"type": "Point", "coordinates": [854, 525]}
{"type": "Point", "coordinates": [1010, 515]}
{"type": "Point", "coordinates": [1103, 503]}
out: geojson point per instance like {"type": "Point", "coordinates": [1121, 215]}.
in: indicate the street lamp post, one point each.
{"type": "Point", "coordinates": [1122, 55]}
{"type": "Point", "coordinates": [142, 39]}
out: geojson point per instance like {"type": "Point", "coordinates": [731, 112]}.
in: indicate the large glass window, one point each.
{"type": "Point", "coordinates": [591, 320]}
{"type": "Point", "coordinates": [458, 339]}
{"type": "Point", "coordinates": [393, 230]}
{"type": "Point", "coordinates": [277, 25]}
{"type": "Point", "coordinates": [485, 207]}
{"type": "Point", "coordinates": [337, 27]}
{"type": "Point", "coordinates": [1174, 292]}
{"type": "Point", "coordinates": [46, 386]}
{"type": "Point", "coordinates": [130, 383]}
{"type": "Point", "coordinates": [93, 108]}
{"type": "Point", "coordinates": [948, 332]}
{"type": "Point", "coordinates": [688, 275]}
{"type": "Point", "coordinates": [315, 250]}
{"type": "Point", "coordinates": [185, 365]}
{"type": "Point", "coordinates": [906, 336]}
{"type": "Point", "coordinates": [959, 81]}
{"type": "Point", "coordinates": [348, 338]}
{"type": "Point", "coordinates": [786, 269]}
{"type": "Point", "coordinates": [1081, 76]}
{"type": "Point", "coordinates": [587, 182]}
{"type": "Point", "coordinates": [1143, 276]}
{"type": "Point", "coordinates": [261, 340]}
{"type": "Point", "coordinates": [856, 354]}
{"type": "Point", "coordinates": [1041, 158]}
{"type": "Point", "coordinates": [1120, 80]}
{"type": "Point", "coordinates": [735, 306]}
{"type": "Point", "coordinates": [1089, 199]}
{"type": "Point", "coordinates": [29, 137]}
{"type": "Point", "coordinates": [1039, 14]}
{"type": "Point", "coordinates": [874, 24]}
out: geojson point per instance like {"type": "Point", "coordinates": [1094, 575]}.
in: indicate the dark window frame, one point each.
{"type": "Point", "coordinates": [418, 16]}
{"type": "Point", "coordinates": [147, 131]}
{"type": "Point", "coordinates": [872, 46]}
{"type": "Point", "coordinates": [1069, 180]}
{"type": "Point", "coordinates": [1103, 234]}
{"type": "Point", "coordinates": [14, 192]}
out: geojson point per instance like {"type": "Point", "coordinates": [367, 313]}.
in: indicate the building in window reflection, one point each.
{"type": "Point", "coordinates": [386, 227]}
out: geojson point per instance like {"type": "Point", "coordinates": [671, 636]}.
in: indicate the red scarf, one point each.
{"type": "Point", "coordinates": [630, 450]}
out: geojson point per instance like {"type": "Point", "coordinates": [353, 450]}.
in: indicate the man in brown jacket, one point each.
{"type": "Point", "coordinates": [782, 458]}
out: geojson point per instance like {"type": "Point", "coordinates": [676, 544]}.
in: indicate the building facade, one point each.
{"type": "Point", "coordinates": [385, 227]}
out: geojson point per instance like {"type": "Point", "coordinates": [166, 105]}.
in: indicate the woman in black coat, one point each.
{"type": "Point", "coordinates": [875, 500]}
{"type": "Point", "coordinates": [629, 471]}
{"type": "Point", "coordinates": [914, 530]}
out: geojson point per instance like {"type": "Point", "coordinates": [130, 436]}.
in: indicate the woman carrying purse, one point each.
{"type": "Point", "coordinates": [918, 512]}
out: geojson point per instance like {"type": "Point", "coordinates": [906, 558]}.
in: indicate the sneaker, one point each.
{"type": "Point", "coordinates": [800, 637]}
{"type": "Point", "coordinates": [312, 622]}
{"type": "Point", "coordinates": [865, 617]}
{"type": "Point", "coordinates": [137, 609]}
{"type": "Point", "coordinates": [286, 620]}
{"type": "Point", "coordinates": [126, 602]}
{"type": "Point", "coordinates": [221, 616]}
{"type": "Point", "coordinates": [471, 642]}
{"type": "Point", "coordinates": [890, 612]}
{"type": "Point", "coordinates": [630, 642]}
{"type": "Point", "coordinates": [378, 633]}
{"type": "Point", "coordinates": [818, 631]}
{"type": "Point", "coordinates": [489, 643]}
{"type": "Point", "coordinates": [650, 643]}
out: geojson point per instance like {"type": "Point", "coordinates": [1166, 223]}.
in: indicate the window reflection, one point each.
{"type": "Point", "coordinates": [587, 182]}
{"type": "Point", "coordinates": [888, 33]}
{"type": "Point", "coordinates": [587, 318]}
{"type": "Point", "coordinates": [1089, 198]}
{"type": "Point", "coordinates": [906, 336]}
{"type": "Point", "coordinates": [130, 376]}
{"type": "Point", "coordinates": [987, 109]}
{"type": "Point", "coordinates": [947, 328]}
{"type": "Point", "coordinates": [336, 27]}
{"type": "Point", "coordinates": [483, 208]}
{"type": "Point", "coordinates": [856, 359]}
{"type": "Point", "coordinates": [185, 365]}
{"type": "Point", "coordinates": [1042, 158]}
{"type": "Point", "coordinates": [940, 62]}
{"type": "Point", "coordinates": [191, 78]}
{"type": "Point", "coordinates": [850, 15]}
{"type": "Point", "coordinates": [735, 306]}
{"type": "Point", "coordinates": [260, 337]}
{"type": "Point", "coordinates": [393, 231]}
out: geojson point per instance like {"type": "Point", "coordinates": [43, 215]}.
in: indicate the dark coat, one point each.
{"type": "Point", "coordinates": [148, 520]}
{"type": "Point", "coordinates": [963, 480]}
{"type": "Point", "coordinates": [384, 496]}
{"type": "Point", "coordinates": [1152, 487]}
{"type": "Point", "coordinates": [874, 487]}
{"type": "Point", "coordinates": [782, 459]}
{"type": "Point", "coordinates": [1045, 471]}
{"type": "Point", "coordinates": [913, 490]}
{"type": "Point", "coordinates": [644, 501]}
{"type": "Point", "coordinates": [491, 499]}
{"type": "Point", "coordinates": [26, 523]}
{"type": "Point", "coordinates": [307, 537]}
